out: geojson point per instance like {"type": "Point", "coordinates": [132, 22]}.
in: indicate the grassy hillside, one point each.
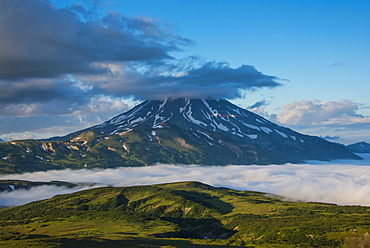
{"type": "Point", "coordinates": [140, 146]}
{"type": "Point", "coordinates": [188, 214]}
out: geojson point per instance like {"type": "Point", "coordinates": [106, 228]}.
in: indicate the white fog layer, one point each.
{"type": "Point", "coordinates": [343, 182]}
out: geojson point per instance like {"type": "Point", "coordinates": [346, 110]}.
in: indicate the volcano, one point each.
{"type": "Point", "coordinates": [206, 119]}
{"type": "Point", "coordinates": [175, 131]}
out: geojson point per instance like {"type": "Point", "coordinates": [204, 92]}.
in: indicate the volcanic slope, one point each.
{"type": "Point", "coordinates": [220, 116]}
{"type": "Point", "coordinates": [183, 131]}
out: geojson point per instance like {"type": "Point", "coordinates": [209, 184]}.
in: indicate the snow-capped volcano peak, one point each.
{"type": "Point", "coordinates": [210, 116]}
{"type": "Point", "coordinates": [193, 114]}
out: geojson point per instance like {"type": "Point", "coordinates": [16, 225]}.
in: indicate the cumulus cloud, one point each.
{"type": "Point", "coordinates": [341, 182]}
{"type": "Point", "coordinates": [37, 121]}
{"type": "Point", "coordinates": [346, 119]}
{"type": "Point", "coordinates": [308, 112]}
{"type": "Point", "coordinates": [326, 118]}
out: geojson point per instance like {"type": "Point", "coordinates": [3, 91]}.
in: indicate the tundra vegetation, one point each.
{"type": "Point", "coordinates": [183, 214]}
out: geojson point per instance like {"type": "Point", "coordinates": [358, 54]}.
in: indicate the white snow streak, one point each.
{"type": "Point", "coordinates": [282, 134]}
{"type": "Point", "coordinates": [266, 130]}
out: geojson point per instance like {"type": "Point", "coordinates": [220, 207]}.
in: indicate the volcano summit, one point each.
{"type": "Point", "coordinates": [207, 117]}
{"type": "Point", "coordinates": [181, 131]}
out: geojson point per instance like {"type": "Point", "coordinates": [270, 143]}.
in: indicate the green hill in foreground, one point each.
{"type": "Point", "coordinates": [187, 214]}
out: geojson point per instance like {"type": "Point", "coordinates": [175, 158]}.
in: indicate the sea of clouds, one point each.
{"type": "Point", "coordinates": [343, 182]}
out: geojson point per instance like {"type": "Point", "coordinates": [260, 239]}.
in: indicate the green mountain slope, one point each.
{"type": "Point", "coordinates": [188, 214]}
{"type": "Point", "coordinates": [140, 146]}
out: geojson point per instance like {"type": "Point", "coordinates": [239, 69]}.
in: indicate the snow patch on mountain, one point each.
{"type": "Point", "coordinates": [251, 126]}
{"type": "Point", "coordinates": [266, 130]}
{"type": "Point", "coordinates": [209, 137]}
{"type": "Point", "coordinates": [189, 116]}
{"type": "Point", "coordinates": [196, 135]}
{"type": "Point", "coordinates": [281, 133]}
{"type": "Point", "coordinates": [125, 147]}
{"type": "Point", "coordinates": [252, 136]}
{"type": "Point", "coordinates": [43, 146]}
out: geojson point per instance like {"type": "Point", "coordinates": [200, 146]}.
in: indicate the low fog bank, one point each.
{"type": "Point", "coordinates": [343, 182]}
{"type": "Point", "coordinates": [23, 196]}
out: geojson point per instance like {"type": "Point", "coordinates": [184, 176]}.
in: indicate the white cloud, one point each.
{"type": "Point", "coordinates": [308, 112]}
{"type": "Point", "coordinates": [341, 182]}
{"type": "Point", "coordinates": [23, 196]}
{"type": "Point", "coordinates": [47, 120]}
{"type": "Point", "coordinates": [345, 119]}
{"type": "Point", "coordinates": [322, 118]}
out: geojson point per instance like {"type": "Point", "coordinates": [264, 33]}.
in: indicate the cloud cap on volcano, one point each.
{"type": "Point", "coordinates": [110, 55]}
{"type": "Point", "coordinates": [209, 80]}
{"type": "Point", "coordinates": [57, 62]}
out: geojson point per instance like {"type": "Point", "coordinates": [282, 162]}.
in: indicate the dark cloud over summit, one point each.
{"type": "Point", "coordinates": [40, 41]}
{"type": "Point", "coordinates": [60, 61]}
{"type": "Point", "coordinates": [210, 80]}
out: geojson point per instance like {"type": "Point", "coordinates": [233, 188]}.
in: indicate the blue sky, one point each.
{"type": "Point", "coordinates": [321, 47]}
{"type": "Point", "coordinates": [319, 51]}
